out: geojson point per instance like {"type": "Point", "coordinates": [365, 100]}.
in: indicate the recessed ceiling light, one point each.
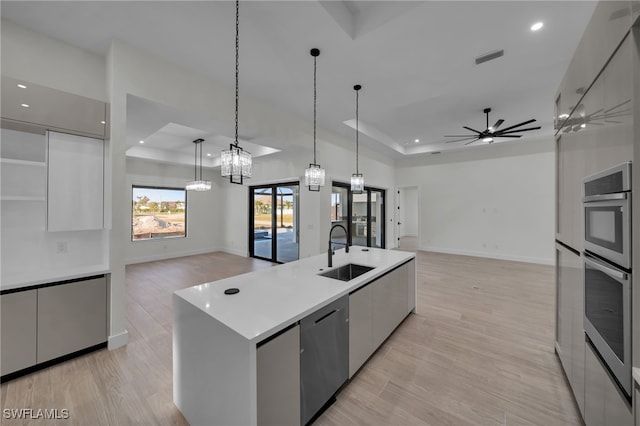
{"type": "Point", "coordinates": [563, 116]}
{"type": "Point", "coordinates": [537, 26]}
{"type": "Point", "coordinates": [141, 141]}
{"type": "Point", "coordinates": [487, 139]}
{"type": "Point", "coordinates": [25, 105]}
{"type": "Point", "coordinates": [22, 86]}
{"type": "Point", "coordinates": [417, 140]}
{"type": "Point", "coordinates": [103, 122]}
{"type": "Point", "coordinates": [208, 154]}
{"type": "Point", "coordinates": [583, 125]}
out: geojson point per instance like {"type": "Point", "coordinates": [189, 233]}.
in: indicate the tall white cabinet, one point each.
{"type": "Point", "coordinates": [75, 183]}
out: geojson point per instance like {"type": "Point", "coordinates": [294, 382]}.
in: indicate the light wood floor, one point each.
{"type": "Point", "coordinates": [479, 351]}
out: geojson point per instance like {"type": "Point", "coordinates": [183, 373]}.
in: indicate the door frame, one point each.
{"type": "Point", "coordinates": [396, 211]}
{"type": "Point", "coordinates": [367, 190]}
{"type": "Point", "coordinates": [274, 219]}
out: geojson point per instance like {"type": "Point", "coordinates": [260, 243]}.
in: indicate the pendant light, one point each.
{"type": "Point", "coordinates": [197, 184]}
{"type": "Point", "coordinates": [357, 180]}
{"type": "Point", "coordinates": [235, 162]}
{"type": "Point", "coordinates": [314, 175]}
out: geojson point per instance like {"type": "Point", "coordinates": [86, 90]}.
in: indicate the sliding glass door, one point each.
{"type": "Point", "coordinates": [363, 215]}
{"type": "Point", "coordinates": [273, 222]}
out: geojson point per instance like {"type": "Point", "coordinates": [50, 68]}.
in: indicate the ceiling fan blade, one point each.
{"type": "Point", "coordinates": [507, 136]}
{"type": "Point", "coordinates": [498, 124]}
{"type": "Point", "coordinates": [463, 139]}
{"type": "Point", "coordinates": [476, 139]}
{"type": "Point", "coordinates": [470, 129]}
{"type": "Point", "coordinates": [519, 124]}
{"type": "Point", "coordinates": [618, 106]}
{"type": "Point", "coordinates": [502, 132]}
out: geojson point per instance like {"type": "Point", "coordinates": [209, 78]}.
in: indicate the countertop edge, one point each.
{"type": "Point", "coordinates": [57, 278]}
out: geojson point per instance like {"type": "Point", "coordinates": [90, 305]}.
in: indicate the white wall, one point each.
{"type": "Point", "coordinates": [203, 213]}
{"type": "Point", "coordinates": [495, 201]}
{"type": "Point", "coordinates": [30, 56]}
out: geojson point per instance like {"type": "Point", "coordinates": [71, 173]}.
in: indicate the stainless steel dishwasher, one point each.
{"type": "Point", "coordinates": [324, 356]}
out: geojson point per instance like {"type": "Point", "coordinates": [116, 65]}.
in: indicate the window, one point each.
{"type": "Point", "coordinates": [158, 213]}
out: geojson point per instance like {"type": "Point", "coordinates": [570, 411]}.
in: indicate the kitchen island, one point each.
{"type": "Point", "coordinates": [236, 357]}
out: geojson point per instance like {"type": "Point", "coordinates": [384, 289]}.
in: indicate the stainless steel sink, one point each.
{"type": "Point", "coordinates": [347, 272]}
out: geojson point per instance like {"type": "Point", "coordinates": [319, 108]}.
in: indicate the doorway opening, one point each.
{"type": "Point", "coordinates": [362, 215]}
{"type": "Point", "coordinates": [273, 222]}
{"type": "Point", "coordinates": [407, 218]}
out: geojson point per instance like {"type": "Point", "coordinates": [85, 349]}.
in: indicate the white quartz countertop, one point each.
{"type": "Point", "coordinates": [272, 299]}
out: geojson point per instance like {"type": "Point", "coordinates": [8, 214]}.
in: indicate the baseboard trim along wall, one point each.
{"type": "Point", "coordinates": [499, 256]}
{"type": "Point", "coordinates": [118, 340]}
{"type": "Point", "coordinates": [173, 254]}
{"type": "Point", "coordinates": [235, 251]}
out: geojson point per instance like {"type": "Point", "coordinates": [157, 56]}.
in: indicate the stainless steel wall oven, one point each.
{"type": "Point", "coordinates": [607, 269]}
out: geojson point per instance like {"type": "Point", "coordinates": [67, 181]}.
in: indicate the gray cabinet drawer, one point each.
{"type": "Point", "coordinates": [18, 331]}
{"type": "Point", "coordinates": [71, 317]}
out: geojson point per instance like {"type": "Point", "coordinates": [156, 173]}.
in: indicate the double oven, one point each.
{"type": "Point", "coordinates": [607, 269]}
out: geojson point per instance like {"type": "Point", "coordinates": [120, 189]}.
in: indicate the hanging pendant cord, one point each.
{"type": "Point", "coordinates": [200, 146]}
{"type": "Point", "coordinates": [357, 131]}
{"type": "Point", "coordinates": [237, 62]}
{"type": "Point", "coordinates": [314, 109]}
{"type": "Point", "coordinates": [195, 163]}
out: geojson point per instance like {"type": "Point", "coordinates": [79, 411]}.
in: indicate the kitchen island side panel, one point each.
{"type": "Point", "coordinates": [214, 370]}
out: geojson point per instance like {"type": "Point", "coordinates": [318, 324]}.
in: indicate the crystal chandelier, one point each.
{"type": "Point", "coordinates": [235, 162]}
{"type": "Point", "coordinates": [197, 184]}
{"type": "Point", "coordinates": [357, 180]}
{"type": "Point", "coordinates": [314, 175]}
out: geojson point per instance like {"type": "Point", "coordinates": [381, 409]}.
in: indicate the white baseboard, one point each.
{"type": "Point", "coordinates": [118, 340]}
{"type": "Point", "coordinates": [171, 255]}
{"type": "Point", "coordinates": [489, 255]}
{"type": "Point", "coordinates": [235, 251]}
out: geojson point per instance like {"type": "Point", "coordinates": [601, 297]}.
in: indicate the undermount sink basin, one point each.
{"type": "Point", "coordinates": [347, 272]}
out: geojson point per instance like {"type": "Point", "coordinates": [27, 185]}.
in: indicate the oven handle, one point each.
{"type": "Point", "coordinates": [604, 268]}
{"type": "Point", "coordinates": [605, 197]}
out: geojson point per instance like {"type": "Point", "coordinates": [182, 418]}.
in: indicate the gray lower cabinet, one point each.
{"type": "Point", "coordinates": [604, 403]}
{"type": "Point", "coordinates": [278, 379]}
{"type": "Point", "coordinates": [19, 329]}
{"type": "Point", "coordinates": [570, 337]}
{"type": "Point", "coordinates": [71, 317]}
{"type": "Point", "coordinates": [360, 327]}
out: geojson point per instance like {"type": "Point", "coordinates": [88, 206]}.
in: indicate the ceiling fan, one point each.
{"type": "Point", "coordinates": [490, 133]}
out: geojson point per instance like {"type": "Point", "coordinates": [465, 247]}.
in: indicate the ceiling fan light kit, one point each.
{"type": "Point", "coordinates": [491, 132]}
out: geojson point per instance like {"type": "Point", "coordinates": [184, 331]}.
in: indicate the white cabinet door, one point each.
{"type": "Point", "coordinates": [360, 327]}
{"type": "Point", "coordinates": [19, 327]}
{"type": "Point", "coordinates": [75, 195]}
{"type": "Point", "coordinates": [278, 380]}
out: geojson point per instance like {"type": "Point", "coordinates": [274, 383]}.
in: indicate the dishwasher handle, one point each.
{"type": "Point", "coordinates": [325, 316]}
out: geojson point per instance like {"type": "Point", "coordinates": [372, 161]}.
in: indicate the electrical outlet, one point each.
{"type": "Point", "coordinates": [61, 247]}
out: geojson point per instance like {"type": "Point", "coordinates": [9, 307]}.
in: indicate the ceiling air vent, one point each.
{"type": "Point", "coordinates": [489, 56]}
